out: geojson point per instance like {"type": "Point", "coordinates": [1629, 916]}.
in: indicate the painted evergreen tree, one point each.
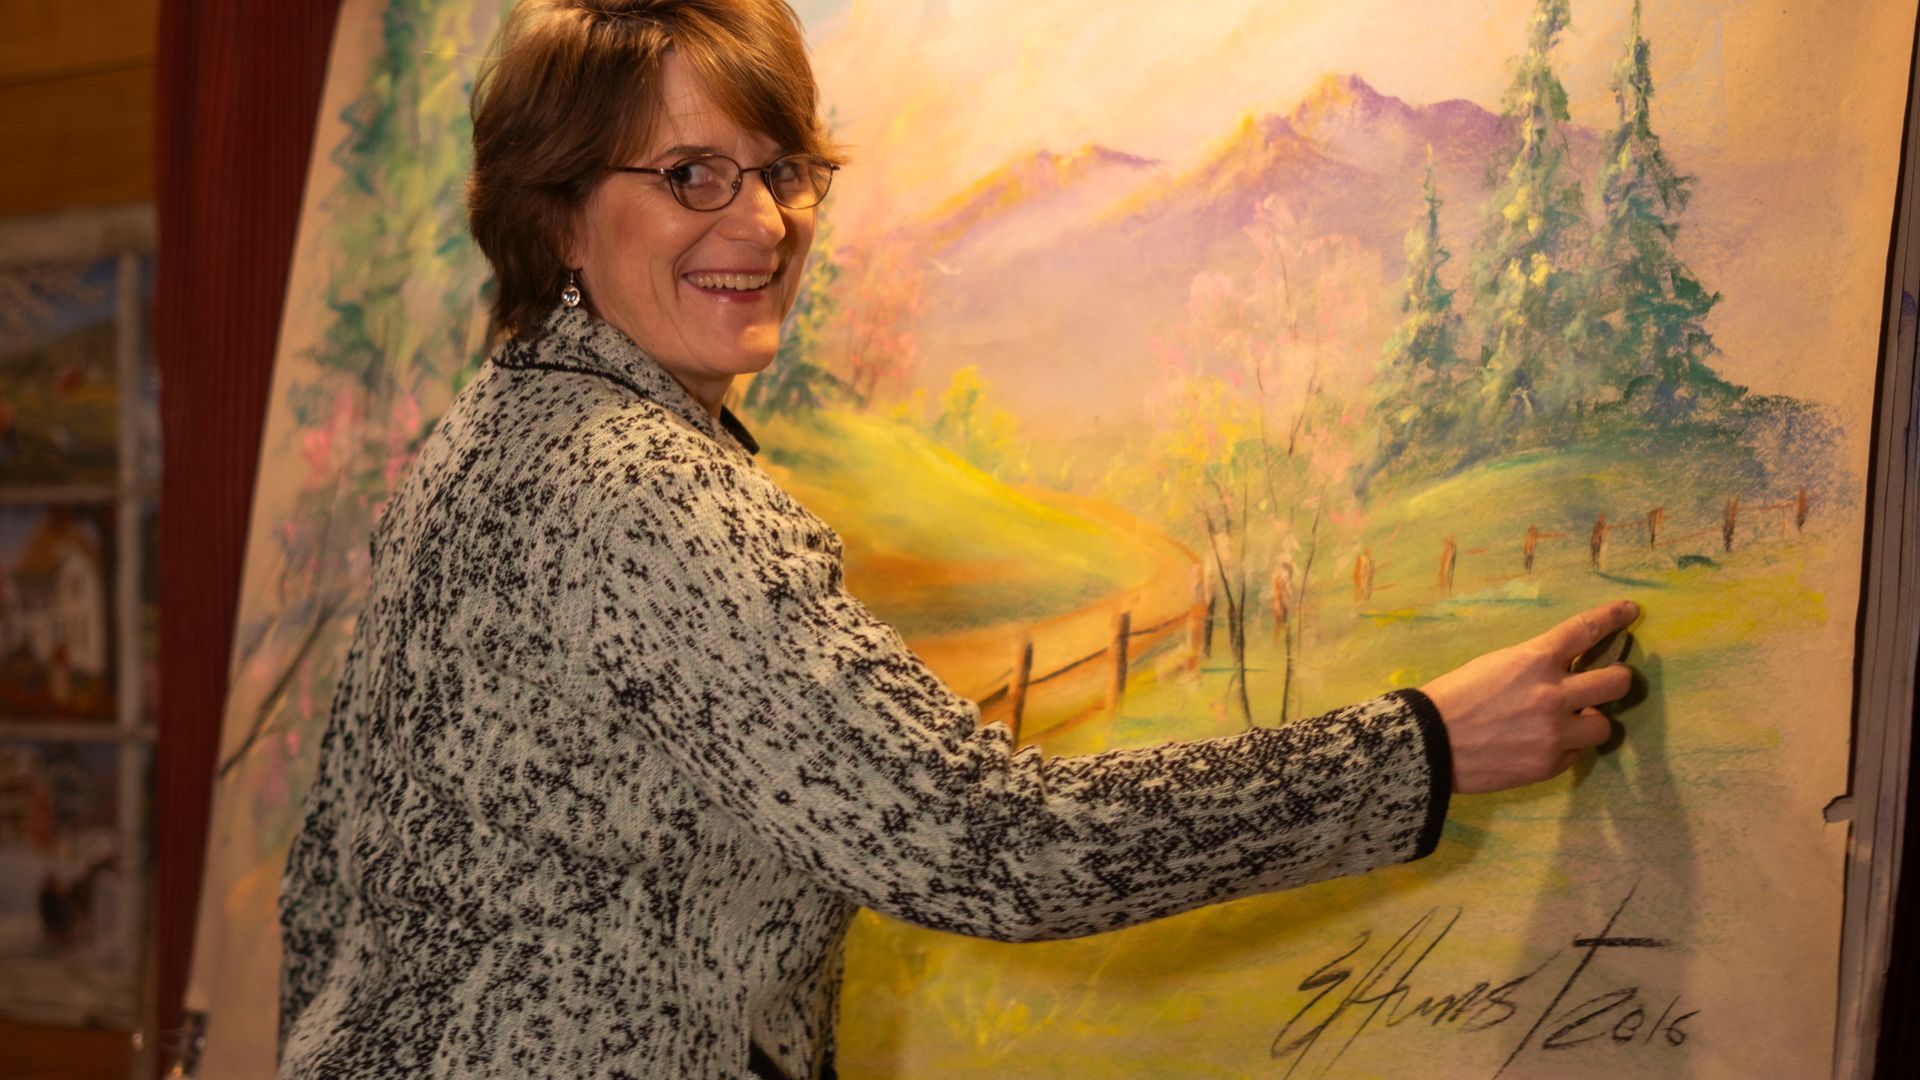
{"type": "Point", "coordinates": [1415, 400]}
{"type": "Point", "coordinates": [798, 380]}
{"type": "Point", "coordinates": [1649, 309]}
{"type": "Point", "coordinates": [1526, 290]}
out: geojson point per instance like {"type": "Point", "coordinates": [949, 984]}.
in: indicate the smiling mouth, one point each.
{"type": "Point", "coordinates": [729, 282]}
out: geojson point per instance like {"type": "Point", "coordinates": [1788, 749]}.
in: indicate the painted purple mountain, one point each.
{"type": "Point", "coordinates": [1080, 259]}
{"type": "Point", "coordinates": [1043, 192]}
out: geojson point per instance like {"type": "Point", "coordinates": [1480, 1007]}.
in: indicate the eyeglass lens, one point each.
{"type": "Point", "coordinates": [709, 183]}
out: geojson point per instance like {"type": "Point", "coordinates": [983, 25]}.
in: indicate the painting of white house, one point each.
{"type": "Point", "coordinates": [56, 654]}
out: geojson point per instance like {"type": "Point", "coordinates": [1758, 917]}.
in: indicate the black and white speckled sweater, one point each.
{"type": "Point", "coordinates": [614, 757]}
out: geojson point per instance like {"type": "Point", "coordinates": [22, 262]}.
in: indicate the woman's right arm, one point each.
{"type": "Point", "coordinates": [701, 625]}
{"type": "Point", "coordinates": [719, 636]}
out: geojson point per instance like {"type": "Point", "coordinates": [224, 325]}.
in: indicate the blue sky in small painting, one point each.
{"type": "Point", "coordinates": [89, 305]}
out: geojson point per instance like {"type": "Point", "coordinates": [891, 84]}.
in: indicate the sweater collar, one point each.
{"type": "Point", "coordinates": [573, 340]}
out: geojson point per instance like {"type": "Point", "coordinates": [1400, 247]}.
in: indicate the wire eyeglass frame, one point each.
{"type": "Point", "coordinates": [678, 187]}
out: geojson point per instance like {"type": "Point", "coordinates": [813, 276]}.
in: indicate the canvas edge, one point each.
{"type": "Point", "coordinates": [1887, 631]}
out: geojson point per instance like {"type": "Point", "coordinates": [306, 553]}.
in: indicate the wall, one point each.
{"type": "Point", "coordinates": [76, 116]}
{"type": "Point", "coordinates": [76, 104]}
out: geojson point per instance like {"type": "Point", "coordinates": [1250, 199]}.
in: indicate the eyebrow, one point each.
{"type": "Point", "coordinates": [682, 150]}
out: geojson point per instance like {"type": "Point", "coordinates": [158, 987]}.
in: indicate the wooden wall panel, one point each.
{"type": "Point", "coordinates": [76, 104]}
{"type": "Point", "coordinates": [49, 38]}
{"type": "Point", "coordinates": [78, 141]}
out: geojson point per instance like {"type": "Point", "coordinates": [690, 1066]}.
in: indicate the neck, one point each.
{"type": "Point", "coordinates": [710, 393]}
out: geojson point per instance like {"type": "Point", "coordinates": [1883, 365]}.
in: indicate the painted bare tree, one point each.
{"type": "Point", "coordinates": [1256, 448]}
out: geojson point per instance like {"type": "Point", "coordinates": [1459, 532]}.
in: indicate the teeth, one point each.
{"type": "Point", "coordinates": [738, 282]}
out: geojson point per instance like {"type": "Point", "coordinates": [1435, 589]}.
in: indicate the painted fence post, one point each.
{"type": "Point", "coordinates": [1449, 552]}
{"type": "Point", "coordinates": [1655, 518]}
{"type": "Point", "coordinates": [1197, 619]}
{"type": "Point", "coordinates": [1800, 512]}
{"type": "Point", "coordinates": [1122, 636]}
{"type": "Point", "coordinates": [1206, 645]}
{"type": "Point", "coordinates": [1729, 522]}
{"type": "Point", "coordinates": [1022, 676]}
{"type": "Point", "coordinates": [1527, 548]}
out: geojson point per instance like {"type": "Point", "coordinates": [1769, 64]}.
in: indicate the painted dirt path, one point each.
{"type": "Point", "coordinates": [979, 661]}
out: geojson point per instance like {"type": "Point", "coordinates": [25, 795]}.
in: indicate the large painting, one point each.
{"type": "Point", "coordinates": [1168, 373]}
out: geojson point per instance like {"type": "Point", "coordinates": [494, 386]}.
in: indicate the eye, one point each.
{"type": "Point", "coordinates": [699, 172]}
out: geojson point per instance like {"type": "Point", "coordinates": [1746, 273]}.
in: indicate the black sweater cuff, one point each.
{"type": "Point", "coordinates": [1439, 767]}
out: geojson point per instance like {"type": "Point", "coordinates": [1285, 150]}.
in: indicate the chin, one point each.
{"type": "Point", "coordinates": [755, 358]}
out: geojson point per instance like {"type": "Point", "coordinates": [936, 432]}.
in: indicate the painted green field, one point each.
{"type": "Point", "coordinates": [936, 545]}
{"type": "Point", "coordinates": [972, 570]}
{"type": "Point", "coordinates": [1651, 815]}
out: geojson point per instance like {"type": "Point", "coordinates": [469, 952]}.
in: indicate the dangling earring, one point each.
{"type": "Point", "coordinates": [570, 296]}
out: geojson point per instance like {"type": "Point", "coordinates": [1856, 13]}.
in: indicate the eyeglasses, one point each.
{"type": "Point", "coordinates": [710, 181]}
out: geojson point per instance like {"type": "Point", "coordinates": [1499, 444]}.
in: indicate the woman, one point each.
{"type": "Point", "coordinates": [613, 756]}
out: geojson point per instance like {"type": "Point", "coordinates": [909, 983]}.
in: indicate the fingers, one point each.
{"type": "Point", "coordinates": [1580, 734]}
{"type": "Point", "coordinates": [1596, 687]}
{"type": "Point", "coordinates": [1585, 730]}
{"type": "Point", "coordinates": [1584, 631]}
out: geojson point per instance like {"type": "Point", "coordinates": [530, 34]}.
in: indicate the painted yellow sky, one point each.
{"type": "Point", "coordinates": [1789, 114]}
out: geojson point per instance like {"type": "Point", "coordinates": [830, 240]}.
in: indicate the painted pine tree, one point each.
{"type": "Point", "coordinates": [1416, 401]}
{"type": "Point", "coordinates": [1525, 284]}
{"type": "Point", "coordinates": [1648, 327]}
{"type": "Point", "coordinates": [406, 298]}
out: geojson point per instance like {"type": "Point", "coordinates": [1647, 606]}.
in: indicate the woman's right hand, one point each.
{"type": "Point", "coordinates": [1518, 716]}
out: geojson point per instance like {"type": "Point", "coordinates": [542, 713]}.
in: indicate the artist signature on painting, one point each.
{"type": "Point", "coordinates": [1361, 990]}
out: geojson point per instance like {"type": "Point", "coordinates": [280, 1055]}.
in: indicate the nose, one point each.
{"type": "Point", "coordinates": [754, 215]}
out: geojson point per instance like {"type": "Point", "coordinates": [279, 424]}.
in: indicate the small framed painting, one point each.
{"type": "Point", "coordinates": [69, 883]}
{"type": "Point", "coordinates": [59, 373]}
{"type": "Point", "coordinates": [57, 659]}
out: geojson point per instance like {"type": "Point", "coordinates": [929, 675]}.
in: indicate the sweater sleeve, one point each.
{"type": "Point", "coordinates": [721, 635]}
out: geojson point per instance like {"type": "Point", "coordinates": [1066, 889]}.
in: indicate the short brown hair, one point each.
{"type": "Point", "coordinates": [572, 86]}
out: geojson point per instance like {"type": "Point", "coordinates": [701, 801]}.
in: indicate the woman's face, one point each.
{"type": "Point", "coordinates": [703, 293]}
